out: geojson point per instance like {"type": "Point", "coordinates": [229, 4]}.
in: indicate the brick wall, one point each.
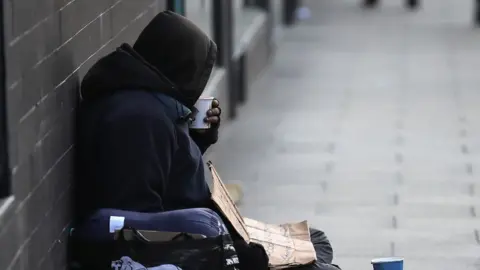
{"type": "Point", "coordinates": [49, 46]}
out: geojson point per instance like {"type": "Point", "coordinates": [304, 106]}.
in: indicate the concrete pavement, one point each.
{"type": "Point", "coordinates": [368, 124]}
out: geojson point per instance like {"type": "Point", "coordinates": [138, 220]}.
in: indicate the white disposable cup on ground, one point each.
{"type": "Point", "coordinates": [203, 105]}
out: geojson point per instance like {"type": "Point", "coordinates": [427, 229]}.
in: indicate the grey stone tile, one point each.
{"type": "Point", "coordinates": [362, 242]}
{"type": "Point", "coordinates": [445, 263]}
{"type": "Point", "coordinates": [278, 214]}
{"type": "Point", "coordinates": [358, 211]}
{"type": "Point", "coordinates": [354, 262]}
{"type": "Point", "coordinates": [437, 249]}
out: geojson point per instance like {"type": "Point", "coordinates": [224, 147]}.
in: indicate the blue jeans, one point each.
{"type": "Point", "coordinates": [195, 220]}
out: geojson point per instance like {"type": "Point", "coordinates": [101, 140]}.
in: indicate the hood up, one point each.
{"type": "Point", "coordinates": [172, 55]}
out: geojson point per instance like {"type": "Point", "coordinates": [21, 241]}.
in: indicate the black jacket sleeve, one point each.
{"type": "Point", "coordinates": [136, 156]}
{"type": "Point", "coordinates": [205, 140]}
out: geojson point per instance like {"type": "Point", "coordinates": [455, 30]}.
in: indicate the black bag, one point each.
{"type": "Point", "coordinates": [183, 251]}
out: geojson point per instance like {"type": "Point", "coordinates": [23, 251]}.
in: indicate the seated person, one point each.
{"type": "Point", "coordinates": [135, 150]}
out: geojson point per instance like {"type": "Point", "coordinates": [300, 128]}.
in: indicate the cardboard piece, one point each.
{"type": "Point", "coordinates": [224, 202]}
{"type": "Point", "coordinates": [287, 245]}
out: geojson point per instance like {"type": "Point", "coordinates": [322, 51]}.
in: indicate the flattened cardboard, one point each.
{"type": "Point", "coordinates": [225, 203]}
{"type": "Point", "coordinates": [287, 245]}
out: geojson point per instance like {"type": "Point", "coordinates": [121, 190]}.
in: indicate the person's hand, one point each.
{"type": "Point", "coordinates": [213, 115]}
{"type": "Point", "coordinates": [205, 138]}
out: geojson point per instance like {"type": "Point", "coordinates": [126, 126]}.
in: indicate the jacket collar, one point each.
{"type": "Point", "coordinates": [175, 110]}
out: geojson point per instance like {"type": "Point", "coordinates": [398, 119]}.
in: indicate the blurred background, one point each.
{"type": "Point", "coordinates": [360, 117]}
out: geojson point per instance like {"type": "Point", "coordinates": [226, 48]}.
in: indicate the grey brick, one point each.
{"type": "Point", "coordinates": [25, 96]}
{"type": "Point", "coordinates": [57, 104]}
{"type": "Point", "coordinates": [83, 45]}
{"type": "Point", "coordinates": [58, 141]}
{"type": "Point", "coordinates": [38, 210]}
{"type": "Point", "coordinates": [83, 69]}
{"type": "Point", "coordinates": [78, 14]}
{"type": "Point", "coordinates": [47, 234]}
{"type": "Point", "coordinates": [57, 256]}
{"type": "Point", "coordinates": [106, 28]}
{"type": "Point", "coordinates": [25, 176]}
{"type": "Point", "coordinates": [8, 20]}
{"type": "Point", "coordinates": [28, 134]}
{"type": "Point", "coordinates": [12, 236]}
{"type": "Point", "coordinates": [60, 4]}
{"type": "Point", "coordinates": [27, 13]}
{"type": "Point", "coordinates": [21, 56]}
{"type": "Point", "coordinates": [136, 25]}
{"type": "Point", "coordinates": [126, 11]}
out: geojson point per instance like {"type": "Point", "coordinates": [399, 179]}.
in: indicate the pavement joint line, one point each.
{"type": "Point", "coordinates": [392, 249]}
{"type": "Point", "coordinates": [396, 199]}
{"type": "Point", "coordinates": [477, 236]}
{"type": "Point", "coordinates": [469, 168]}
{"type": "Point", "coordinates": [473, 211]}
{"type": "Point", "coordinates": [394, 222]}
{"type": "Point", "coordinates": [324, 185]}
{"type": "Point", "coordinates": [463, 133]}
{"type": "Point", "coordinates": [464, 149]}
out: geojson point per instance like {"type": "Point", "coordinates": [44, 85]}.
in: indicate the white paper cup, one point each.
{"type": "Point", "coordinates": [203, 105]}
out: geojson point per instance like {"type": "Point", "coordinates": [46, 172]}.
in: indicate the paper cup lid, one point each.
{"type": "Point", "coordinates": [387, 260]}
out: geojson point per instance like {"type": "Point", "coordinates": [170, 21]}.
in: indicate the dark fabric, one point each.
{"type": "Point", "coordinates": [173, 56]}
{"type": "Point", "coordinates": [252, 256]}
{"type": "Point", "coordinates": [180, 50]}
{"type": "Point", "coordinates": [134, 150]}
{"type": "Point", "coordinates": [195, 220]}
{"type": "Point", "coordinates": [322, 246]}
{"type": "Point", "coordinates": [324, 251]}
{"type": "Point", "coordinates": [135, 153]}
{"type": "Point", "coordinates": [124, 69]}
{"type": "Point", "coordinates": [212, 253]}
{"type": "Point", "coordinates": [126, 263]}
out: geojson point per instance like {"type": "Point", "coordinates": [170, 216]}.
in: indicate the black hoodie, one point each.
{"type": "Point", "coordinates": [133, 144]}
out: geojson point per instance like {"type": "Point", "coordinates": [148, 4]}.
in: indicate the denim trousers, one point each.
{"type": "Point", "coordinates": [195, 220]}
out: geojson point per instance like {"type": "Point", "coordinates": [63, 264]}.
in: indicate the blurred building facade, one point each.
{"type": "Point", "coordinates": [47, 47]}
